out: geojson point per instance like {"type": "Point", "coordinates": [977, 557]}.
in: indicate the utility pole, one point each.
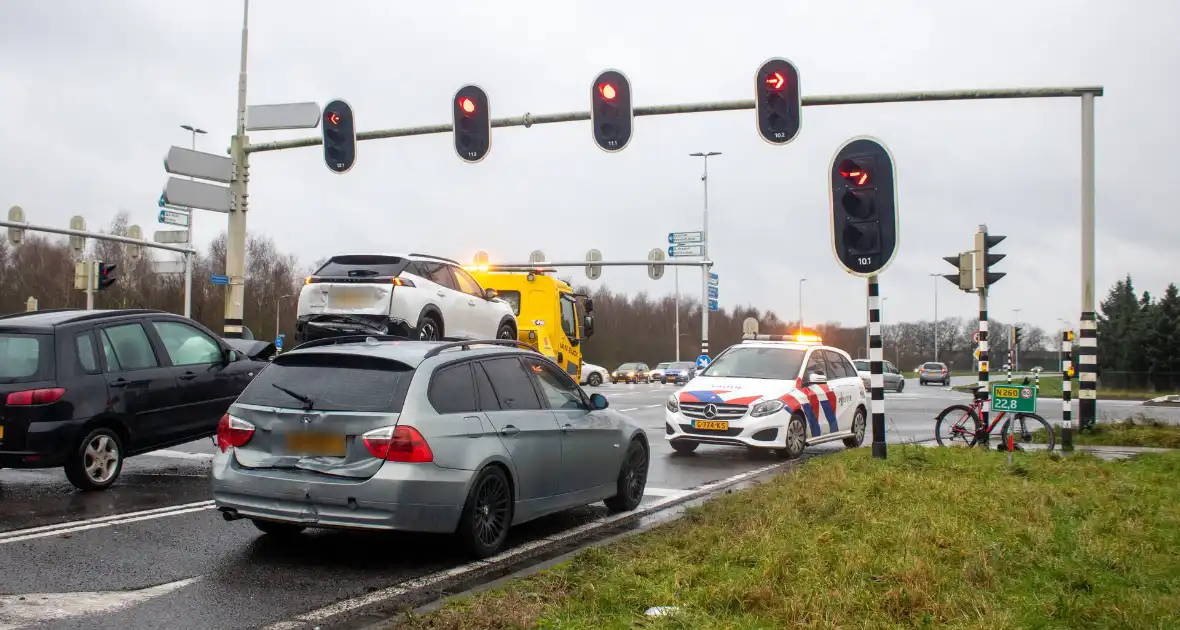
{"type": "Point", "coordinates": [936, 276]}
{"type": "Point", "coordinates": [705, 255]}
{"type": "Point", "coordinates": [1088, 338]}
{"type": "Point", "coordinates": [801, 281]}
{"type": "Point", "coordinates": [235, 250]}
{"type": "Point", "coordinates": [188, 258]}
{"type": "Point", "coordinates": [676, 272]}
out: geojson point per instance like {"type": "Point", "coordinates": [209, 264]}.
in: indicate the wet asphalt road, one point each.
{"type": "Point", "coordinates": [202, 572]}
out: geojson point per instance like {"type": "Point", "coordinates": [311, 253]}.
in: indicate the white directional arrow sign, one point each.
{"type": "Point", "coordinates": [171, 236]}
{"type": "Point", "coordinates": [282, 116]}
{"type": "Point", "coordinates": [217, 168]}
{"type": "Point", "coordinates": [192, 194]}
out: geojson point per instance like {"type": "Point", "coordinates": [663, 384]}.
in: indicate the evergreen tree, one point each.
{"type": "Point", "coordinates": [1118, 313]}
{"type": "Point", "coordinates": [1162, 341]}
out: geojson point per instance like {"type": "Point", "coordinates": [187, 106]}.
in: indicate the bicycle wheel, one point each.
{"type": "Point", "coordinates": [957, 425]}
{"type": "Point", "coordinates": [1030, 429]}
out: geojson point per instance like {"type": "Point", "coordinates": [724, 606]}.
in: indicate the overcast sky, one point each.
{"type": "Point", "coordinates": [94, 93]}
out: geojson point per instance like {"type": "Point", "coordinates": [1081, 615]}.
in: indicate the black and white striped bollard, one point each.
{"type": "Point", "coordinates": [876, 369]}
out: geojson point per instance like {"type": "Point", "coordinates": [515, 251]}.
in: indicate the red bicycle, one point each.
{"type": "Point", "coordinates": [959, 425]}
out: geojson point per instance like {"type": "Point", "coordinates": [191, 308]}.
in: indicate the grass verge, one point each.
{"type": "Point", "coordinates": [910, 542]}
{"type": "Point", "coordinates": [1138, 431]}
{"type": "Point", "coordinates": [1050, 387]}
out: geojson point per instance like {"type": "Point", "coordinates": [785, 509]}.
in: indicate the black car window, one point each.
{"type": "Point", "coordinates": [483, 387]}
{"type": "Point", "coordinates": [466, 283]}
{"type": "Point", "coordinates": [332, 381]}
{"type": "Point", "coordinates": [438, 274]}
{"type": "Point", "coordinates": [816, 363]}
{"type": "Point", "coordinates": [512, 385]}
{"type": "Point", "coordinates": [836, 367]}
{"type": "Point", "coordinates": [129, 345]}
{"type": "Point", "coordinates": [452, 390]}
{"type": "Point", "coordinates": [362, 266]}
{"type": "Point", "coordinates": [187, 345]}
{"type": "Point", "coordinates": [569, 316]}
{"type": "Point", "coordinates": [848, 367]}
{"type": "Point", "coordinates": [25, 358]}
{"type": "Point", "coordinates": [559, 389]}
{"type": "Point", "coordinates": [84, 349]}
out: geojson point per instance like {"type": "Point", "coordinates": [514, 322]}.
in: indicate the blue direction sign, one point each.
{"type": "Point", "coordinates": [684, 238]}
{"type": "Point", "coordinates": [703, 361]}
{"type": "Point", "coordinates": [219, 279]}
{"type": "Point", "coordinates": [713, 281]}
{"type": "Point", "coordinates": [686, 250]}
{"type": "Point", "coordinates": [163, 202]}
{"type": "Point", "coordinates": [279, 342]}
{"type": "Point", "coordinates": [713, 292]}
{"type": "Point", "coordinates": [712, 305]}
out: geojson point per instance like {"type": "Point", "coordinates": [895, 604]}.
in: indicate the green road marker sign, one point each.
{"type": "Point", "coordinates": [1014, 398]}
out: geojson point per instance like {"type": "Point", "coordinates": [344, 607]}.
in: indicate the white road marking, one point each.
{"type": "Point", "coordinates": [18, 611]}
{"type": "Point", "coordinates": [323, 614]}
{"type": "Point", "coordinates": [46, 531]}
{"type": "Point", "coordinates": [179, 455]}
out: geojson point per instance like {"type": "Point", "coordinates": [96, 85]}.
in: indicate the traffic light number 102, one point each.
{"type": "Point", "coordinates": [780, 134]}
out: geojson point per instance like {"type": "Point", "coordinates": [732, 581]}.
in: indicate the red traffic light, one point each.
{"type": "Point", "coordinates": [776, 81]}
{"type": "Point", "coordinates": [467, 105]}
{"type": "Point", "coordinates": [855, 173]}
{"type": "Point", "coordinates": [334, 118]}
{"type": "Point", "coordinates": [608, 91]}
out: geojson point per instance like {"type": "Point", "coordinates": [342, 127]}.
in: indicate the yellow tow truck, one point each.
{"type": "Point", "coordinates": [549, 315]}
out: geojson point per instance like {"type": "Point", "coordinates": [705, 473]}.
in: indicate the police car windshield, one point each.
{"type": "Point", "coordinates": [770, 363]}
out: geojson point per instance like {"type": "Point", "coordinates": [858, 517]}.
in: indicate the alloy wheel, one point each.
{"type": "Point", "coordinates": [101, 459]}
{"type": "Point", "coordinates": [491, 511]}
{"type": "Point", "coordinates": [635, 475]}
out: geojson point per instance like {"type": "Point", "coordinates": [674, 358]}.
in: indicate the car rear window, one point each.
{"type": "Point", "coordinates": [333, 382]}
{"type": "Point", "coordinates": [932, 366]}
{"type": "Point", "coordinates": [862, 366]}
{"type": "Point", "coordinates": [25, 358]}
{"type": "Point", "coordinates": [358, 266]}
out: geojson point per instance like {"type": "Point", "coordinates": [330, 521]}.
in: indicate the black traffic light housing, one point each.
{"type": "Point", "coordinates": [778, 101]}
{"type": "Point", "coordinates": [105, 274]}
{"type": "Point", "coordinates": [611, 111]}
{"type": "Point", "coordinates": [473, 123]}
{"type": "Point", "coordinates": [339, 128]}
{"type": "Point", "coordinates": [1016, 335]}
{"type": "Point", "coordinates": [984, 259]}
{"type": "Point", "coordinates": [864, 206]}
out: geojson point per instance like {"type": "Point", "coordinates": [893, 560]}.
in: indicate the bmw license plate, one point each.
{"type": "Point", "coordinates": [326, 444]}
{"type": "Point", "coordinates": [711, 425]}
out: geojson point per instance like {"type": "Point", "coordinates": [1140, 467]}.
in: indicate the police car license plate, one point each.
{"type": "Point", "coordinates": [711, 425]}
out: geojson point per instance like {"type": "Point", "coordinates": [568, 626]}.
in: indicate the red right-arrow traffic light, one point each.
{"type": "Point", "coordinates": [778, 101]}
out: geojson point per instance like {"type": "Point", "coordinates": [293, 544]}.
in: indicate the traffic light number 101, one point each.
{"type": "Point", "coordinates": [864, 260]}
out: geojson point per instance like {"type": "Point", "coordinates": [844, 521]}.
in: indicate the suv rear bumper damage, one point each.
{"type": "Point", "coordinates": [312, 327]}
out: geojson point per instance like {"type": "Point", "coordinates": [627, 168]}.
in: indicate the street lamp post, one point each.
{"type": "Point", "coordinates": [188, 257]}
{"type": "Point", "coordinates": [705, 255]}
{"type": "Point", "coordinates": [801, 281]}
{"type": "Point", "coordinates": [936, 276]}
{"type": "Point", "coordinates": [278, 311]}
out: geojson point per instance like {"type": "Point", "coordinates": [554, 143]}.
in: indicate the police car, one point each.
{"type": "Point", "coordinates": [775, 392]}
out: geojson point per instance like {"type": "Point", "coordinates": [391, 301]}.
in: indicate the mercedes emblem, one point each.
{"type": "Point", "coordinates": [710, 411]}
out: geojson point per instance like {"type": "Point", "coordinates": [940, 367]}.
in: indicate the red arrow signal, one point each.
{"type": "Point", "coordinates": [776, 80]}
{"type": "Point", "coordinates": [334, 118]}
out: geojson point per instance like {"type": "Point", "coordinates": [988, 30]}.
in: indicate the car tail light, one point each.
{"type": "Point", "coordinates": [398, 444]}
{"type": "Point", "coordinates": [31, 397]}
{"type": "Point", "coordinates": [233, 432]}
{"type": "Point", "coordinates": [402, 282]}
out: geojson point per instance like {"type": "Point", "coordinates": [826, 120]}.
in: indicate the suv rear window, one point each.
{"type": "Point", "coordinates": [932, 366]}
{"type": "Point", "coordinates": [25, 358]}
{"type": "Point", "coordinates": [333, 382]}
{"type": "Point", "coordinates": [359, 266]}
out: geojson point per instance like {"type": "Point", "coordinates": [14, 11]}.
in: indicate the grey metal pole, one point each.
{"type": "Point", "coordinates": [936, 277]}
{"type": "Point", "coordinates": [676, 271]}
{"type": "Point", "coordinates": [1088, 350]}
{"type": "Point", "coordinates": [90, 286]}
{"type": "Point", "coordinates": [188, 257]}
{"type": "Point", "coordinates": [235, 251]}
{"type": "Point", "coordinates": [801, 281]}
{"type": "Point", "coordinates": [705, 256]}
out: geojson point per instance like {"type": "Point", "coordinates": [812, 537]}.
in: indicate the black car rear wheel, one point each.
{"type": "Point", "coordinates": [632, 479]}
{"type": "Point", "coordinates": [97, 461]}
{"type": "Point", "coordinates": [483, 528]}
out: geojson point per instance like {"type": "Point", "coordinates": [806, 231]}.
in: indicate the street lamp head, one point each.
{"type": "Point", "coordinates": [192, 129]}
{"type": "Point", "coordinates": [710, 153]}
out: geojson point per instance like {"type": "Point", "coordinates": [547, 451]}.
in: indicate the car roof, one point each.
{"type": "Point", "coordinates": [397, 255]}
{"type": "Point", "coordinates": [789, 345]}
{"type": "Point", "coordinates": [409, 352]}
{"type": "Point", "coordinates": [55, 317]}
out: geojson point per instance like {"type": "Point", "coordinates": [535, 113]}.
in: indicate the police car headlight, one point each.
{"type": "Point", "coordinates": [673, 404]}
{"type": "Point", "coordinates": [767, 407]}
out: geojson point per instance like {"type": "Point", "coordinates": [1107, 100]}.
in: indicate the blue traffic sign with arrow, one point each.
{"type": "Point", "coordinates": [703, 361]}
{"type": "Point", "coordinates": [279, 342]}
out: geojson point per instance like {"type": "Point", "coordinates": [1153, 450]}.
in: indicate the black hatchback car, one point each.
{"type": "Point", "coordinates": [86, 389]}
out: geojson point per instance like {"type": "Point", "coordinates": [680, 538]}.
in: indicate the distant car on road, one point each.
{"type": "Point", "coordinates": [467, 438]}
{"type": "Point", "coordinates": [932, 372]}
{"type": "Point", "coordinates": [771, 394]}
{"type": "Point", "coordinates": [631, 373]}
{"type": "Point", "coordinates": [679, 372]}
{"type": "Point", "coordinates": [657, 372]}
{"type": "Point", "coordinates": [893, 378]}
{"type": "Point", "coordinates": [416, 296]}
{"type": "Point", "coordinates": [594, 375]}
{"type": "Point", "coordinates": [86, 389]}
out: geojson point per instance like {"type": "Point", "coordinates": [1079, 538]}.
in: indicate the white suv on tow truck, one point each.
{"type": "Point", "coordinates": [774, 392]}
{"type": "Point", "coordinates": [416, 296]}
